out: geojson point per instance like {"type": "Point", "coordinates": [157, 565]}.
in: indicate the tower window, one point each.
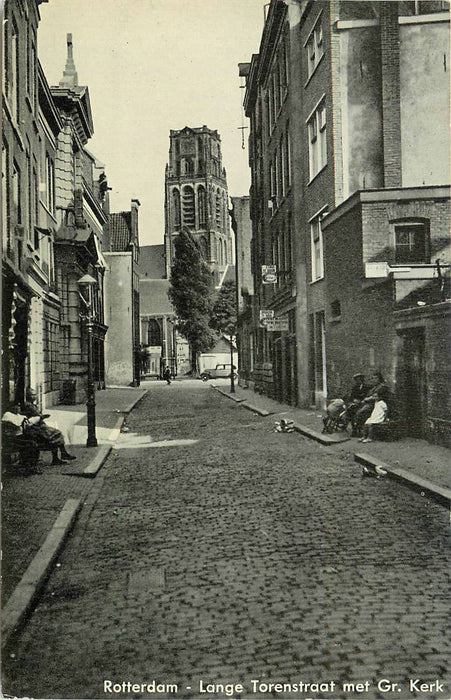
{"type": "Point", "coordinates": [188, 206]}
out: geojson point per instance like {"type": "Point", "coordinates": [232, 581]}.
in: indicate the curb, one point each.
{"type": "Point", "coordinates": [440, 494]}
{"type": "Point", "coordinates": [97, 463]}
{"type": "Point", "coordinates": [134, 403]}
{"type": "Point", "coordinates": [255, 409]}
{"type": "Point", "coordinates": [323, 438]}
{"type": "Point", "coordinates": [228, 396]}
{"type": "Point", "coordinates": [25, 593]}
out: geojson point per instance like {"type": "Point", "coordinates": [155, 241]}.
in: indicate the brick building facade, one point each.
{"type": "Point", "coordinates": [367, 182]}
{"type": "Point", "coordinates": [54, 208]}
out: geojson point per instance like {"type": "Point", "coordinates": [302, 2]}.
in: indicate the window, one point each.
{"type": "Point", "coordinates": [188, 206]}
{"type": "Point", "coordinates": [276, 91]}
{"type": "Point", "coordinates": [50, 183]}
{"type": "Point", "coordinates": [335, 309]}
{"type": "Point", "coordinates": [14, 75]}
{"type": "Point", "coordinates": [317, 247]}
{"type": "Point", "coordinates": [272, 182]}
{"type": "Point", "coordinates": [176, 201]}
{"type": "Point", "coordinates": [153, 333]}
{"type": "Point", "coordinates": [203, 247]}
{"type": "Point", "coordinates": [283, 68]}
{"type": "Point", "coordinates": [283, 166]}
{"type": "Point", "coordinates": [218, 209]}
{"type": "Point", "coordinates": [32, 90]}
{"type": "Point", "coordinates": [288, 150]}
{"type": "Point", "coordinates": [412, 243]}
{"type": "Point", "coordinates": [35, 200]}
{"type": "Point", "coordinates": [271, 106]}
{"type": "Point", "coordinates": [317, 133]}
{"type": "Point", "coordinates": [5, 197]}
{"type": "Point", "coordinates": [315, 47]}
{"type": "Point", "coordinates": [201, 206]}
{"type": "Point", "coordinates": [28, 199]}
{"type": "Point", "coordinates": [16, 192]}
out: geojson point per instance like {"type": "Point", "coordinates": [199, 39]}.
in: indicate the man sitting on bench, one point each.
{"type": "Point", "coordinates": [42, 433]}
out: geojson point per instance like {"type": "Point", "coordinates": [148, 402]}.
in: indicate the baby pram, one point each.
{"type": "Point", "coordinates": [336, 417]}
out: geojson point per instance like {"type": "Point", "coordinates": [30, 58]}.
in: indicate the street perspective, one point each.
{"type": "Point", "coordinates": [226, 341]}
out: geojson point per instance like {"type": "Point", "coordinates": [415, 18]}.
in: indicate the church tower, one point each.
{"type": "Point", "coordinates": [196, 197]}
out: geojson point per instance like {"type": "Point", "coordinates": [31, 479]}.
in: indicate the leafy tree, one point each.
{"type": "Point", "coordinates": [223, 315]}
{"type": "Point", "coordinates": [224, 318]}
{"type": "Point", "coordinates": [190, 292]}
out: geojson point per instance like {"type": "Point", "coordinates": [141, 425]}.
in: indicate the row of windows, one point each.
{"type": "Point", "coordinates": [185, 211]}
{"type": "Point", "coordinates": [280, 169]}
{"type": "Point", "coordinates": [21, 191]}
{"type": "Point", "coordinates": [13, 51]}
{"type": "Point", "coordinates": [410, 241]}
{"type": "Point", "coordinates": [277, 84]}
{"type": "Point", "coordinates": [282, 253]}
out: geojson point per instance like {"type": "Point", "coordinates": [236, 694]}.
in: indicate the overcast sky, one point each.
{"type": "Point", "coordinates": [152, 66]}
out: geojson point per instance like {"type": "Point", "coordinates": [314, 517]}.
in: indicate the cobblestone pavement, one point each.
{"type": "Point", "coordinates": [247, 555]}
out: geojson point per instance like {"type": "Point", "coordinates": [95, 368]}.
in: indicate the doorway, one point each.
{"type": "Point", "coordinates": [414, 381]}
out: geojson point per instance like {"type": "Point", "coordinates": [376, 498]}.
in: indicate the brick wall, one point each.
{"type": "Point", "coordinates": [362, 338]}
{"type": "Point", "coordinates": [391, 119]}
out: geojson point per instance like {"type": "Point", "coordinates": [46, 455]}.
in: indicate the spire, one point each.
{"type": "Point", "coordinates": [70, 77]}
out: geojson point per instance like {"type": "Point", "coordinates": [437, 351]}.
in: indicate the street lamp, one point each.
{"type": "Point", "coordinates": [88, 283]}
{"type": "Point", "coordinates": [232, 366]}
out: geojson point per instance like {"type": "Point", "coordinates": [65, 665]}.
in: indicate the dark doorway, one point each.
{"type": "Point", "coordinates": [414, 381]}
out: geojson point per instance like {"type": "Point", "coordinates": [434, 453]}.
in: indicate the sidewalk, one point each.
{"type": "Point", "coordinates": [418, 457]}
{"type": "Point", "coordinates": [32, 503]}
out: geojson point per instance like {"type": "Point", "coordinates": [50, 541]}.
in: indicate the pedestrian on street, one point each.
{"type": "Point", "coordinates": [167, 375]}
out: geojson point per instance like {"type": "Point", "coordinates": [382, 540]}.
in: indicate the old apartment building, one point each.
{"type": "Point", "coordinates": [350, 200]}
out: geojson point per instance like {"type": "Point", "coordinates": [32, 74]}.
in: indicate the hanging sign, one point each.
{"type": "Point", "coordinates": [265, 316]}
{"type": "Point", "coordinates": [277, 324]}
{"type": "Point", "coordinates": [269, 274]}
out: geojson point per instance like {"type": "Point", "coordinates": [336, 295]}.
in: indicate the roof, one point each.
{"type": "Point", "coordinates": [120, 231]}
{"type": "Point", "coordinates": [152, 262]}
{"type": "Point", "coordinates": [153, 298]}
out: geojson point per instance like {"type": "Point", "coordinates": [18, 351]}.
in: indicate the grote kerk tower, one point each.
{"type": "Point", "coordinates": [196, 196]}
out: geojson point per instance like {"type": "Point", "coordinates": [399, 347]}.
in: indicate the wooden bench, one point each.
{"type": "Point", "coordinates": [21, 451]}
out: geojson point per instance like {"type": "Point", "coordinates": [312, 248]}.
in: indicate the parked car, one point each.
{"type": "Point", "coordinates": [222, 370]}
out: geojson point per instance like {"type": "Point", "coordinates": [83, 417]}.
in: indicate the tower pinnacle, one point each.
{"type": "Point", "coordinates": [70, 77]}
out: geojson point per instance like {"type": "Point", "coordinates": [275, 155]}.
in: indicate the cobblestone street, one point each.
{"type": "Point", "coordinates": [223, 552]}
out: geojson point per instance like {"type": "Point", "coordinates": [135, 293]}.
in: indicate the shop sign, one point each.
{"type": "Point", "coordinates": [269, 274]}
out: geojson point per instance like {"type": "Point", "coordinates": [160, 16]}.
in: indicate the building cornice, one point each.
{"type": "Point", "coordinates": [395, 194]}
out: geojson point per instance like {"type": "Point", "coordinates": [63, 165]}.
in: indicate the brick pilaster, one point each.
{"type": "Point", "coordinates": [391, 119]}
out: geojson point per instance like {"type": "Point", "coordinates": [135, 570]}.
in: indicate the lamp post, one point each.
{"type": "Point", "coordinates": [88, 283]}
{"type": "Point", "coordinates": [232, 366]}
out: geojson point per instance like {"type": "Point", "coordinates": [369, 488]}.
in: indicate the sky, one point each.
{"type": "Point", "coordinates": [152, 66]}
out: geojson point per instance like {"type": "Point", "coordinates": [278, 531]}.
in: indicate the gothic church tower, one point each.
{"type": "Point", "coordinates": [196, 196]}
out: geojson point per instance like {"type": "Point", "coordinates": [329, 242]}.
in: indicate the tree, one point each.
{"type": "Point", "coordinates": [190, 292]}
{"type": "Point", "coordinates": [224, 319]}
{"type": "Point", "coordinates": [223, 314]}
